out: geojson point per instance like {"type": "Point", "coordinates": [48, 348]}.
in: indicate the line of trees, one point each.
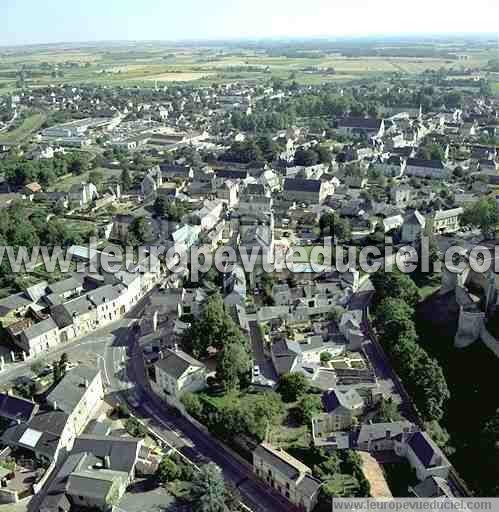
{"type": "Point", "coordinates": [394, 309]}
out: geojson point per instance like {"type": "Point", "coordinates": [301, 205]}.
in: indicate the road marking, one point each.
{"type": "Point", "coordinates": [99, 358]}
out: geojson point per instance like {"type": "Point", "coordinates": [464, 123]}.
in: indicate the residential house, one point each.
{"type": "Point", "coordinates": [151, 182]}
{"type": "Point", "coordinates": [95, 475]}
{"type": "Point", "coordinates": [173, 171]}
{"type": "Point", "coordinates": [424, 456]}
{"type": "Point", "coordinates": [17, 409]}
{"type": "Point", "coordinates": [121, 226]}
{"type": "Point", "coordinates": [228, 193]}
{"type": "Point", "coordinates": [433, 169]}
{"type": "Point", "coordinates": [177, 373]}
{"type": "Point", "coordinates": [341, 409]}
{"type": "Point", "coordinates": [363, 127]}
{"type": "Point", "coordinates": [306, 191]}
{"type": "Point", "coordinates": [47, 434]}
{"type": "Point", "coordinates": [446, 221]}
{"type": "Point", "coordinates": [39, 337]}
{"type": "Point", "coordinates": [394, 167]}
{"type": "Point", "coordinates": [392, 223]}
{"type": "Point", "coordinates": [207, 216]}
{"type": "Point", "coordinates": [78, 394]}
{"type": "Point", "coordinates": [254, 199]}
{"type": "Point", "coordinates": [287, 475]}
{"type": "Point", "coordinates": [413, 227]}
{"type": "Point", "coordinates": [29, 190]}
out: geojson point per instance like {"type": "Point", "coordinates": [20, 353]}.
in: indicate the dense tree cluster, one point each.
{"type": "Point", "coordinates": [422, 375]}
{"type": "Point", "coordinates": [251, 415]}
{"type": "Point", "coordinates": [482, 214]}
{"type": "Point", "coordinates": [19, 171]}
{"type": "Point", "coordinates": [216, 329]}
{"type": "Point", "coordinates": [331, 224]}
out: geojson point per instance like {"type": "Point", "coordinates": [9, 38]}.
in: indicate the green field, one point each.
{"type": "Point", "coordinates": [31, 124]}
{"type": "Point", "coordinates": [144, 64]}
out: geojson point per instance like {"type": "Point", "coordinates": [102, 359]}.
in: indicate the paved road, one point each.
{"type": "Point", "coordinates": [114, 350]}
{"type": "Point", "coordinates": [197, 444]}
{"type": "Point", "coordinates": [267, 369]}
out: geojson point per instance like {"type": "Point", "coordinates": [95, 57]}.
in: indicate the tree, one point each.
{"type": "Point", "coordinates": [335, 226]}
{"type": "Point", "coordinates": [59, 368]}
{"type": "Point", "coordinates": [324, 154]}
{"type": "Point", "coordinates": [208, 490]}
{"type": "Point", "coordinates": [233, 365]}
{"type": "Point", "coordinates": [232, 498]}
{"type": "Point", "coordinates": [167, 471]}
{"type": "Point", "coordinates": [126, 180]}
{"type": "Point", "coordinates": [432, 152]}
{"type": "Point", "coordinates": [482, 214]}
{"type": "Point", "coordinates": [395, 284]}
{"type": "Point", "coordinates": [440, 436]}
{"type": "Point", "coordinates": [325, 357]}
{"type": "Point", "coordinates": [307, 408]}
{"type": "Point", "coordinates": [261, 413]}
{"type": "Point", "coordinates": [214, 328]}
{"type": "Point", "coordinates": [328, 468]}
{"type": "Point", "coordinates": [387, 412]}
{"type": "Point", "coordinates": [134, 428]}
{"type": "Point", "coordinates": [138, 233]}
{"type": "Point", "coordinates": [96, 177]}
{"type": "Point", "coordinates": [192, 404]}
{"type": "Point", "coordinates": [292, 386]}
{"type": "Point", "coordinates": [79, 165]}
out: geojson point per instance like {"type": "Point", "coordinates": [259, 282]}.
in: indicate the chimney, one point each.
{"type": "Point", "coordinates": [86, 383]}
{"type": "Point", "coordinates": [388, 434]}
{"type": "Point", "coordinates": [175, 347]}
{"type": "Point", "coordinates": [107, 462]}
{"type": "Point", "coordinates": [54, 405]}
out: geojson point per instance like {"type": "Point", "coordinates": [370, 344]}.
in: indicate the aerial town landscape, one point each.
{"type": "Point", "coordinates": [253, 274]}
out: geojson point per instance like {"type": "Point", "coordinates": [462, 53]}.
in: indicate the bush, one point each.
{"type": "Point", "coordinates": [134, 428]}
{"type": "Point", "coordinates": [168, 471]}
{"type": "Point", "coordinates": [192, 405]}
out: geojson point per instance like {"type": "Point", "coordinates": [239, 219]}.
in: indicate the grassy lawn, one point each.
{"type": "Point", "coordinates": [31, 124]}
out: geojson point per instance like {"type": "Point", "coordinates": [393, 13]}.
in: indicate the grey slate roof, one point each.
{"type": "Point", "coordinates": [302, 185]}
{"type": "Point", "coordinates": [419, 162]}
{"type": "Point", "coordinates": [64, 286]}
{"type": "Point", "coordinates": [49, 424]}
{"type": "Point", "coordinates": [425, 449]}
{"type": "Point", "coordinates": [40, 328]}
{"type": "Point", "coordinates": [176, 363]}
{"type": "Point", "coordinates": [333, 399]}
{"type": "Point", "coordinates": [308, 485]}
{"type": "Point", "coordinates": [15, 408]}
{"type": "Point", "coordinates": [93, 483]}
{"type": "Point", "coordinates": [70, 390]}
{"type": "Point", "coordinates": [122, 452]}
{"type": "Point", "coordinates": [13, 302]}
